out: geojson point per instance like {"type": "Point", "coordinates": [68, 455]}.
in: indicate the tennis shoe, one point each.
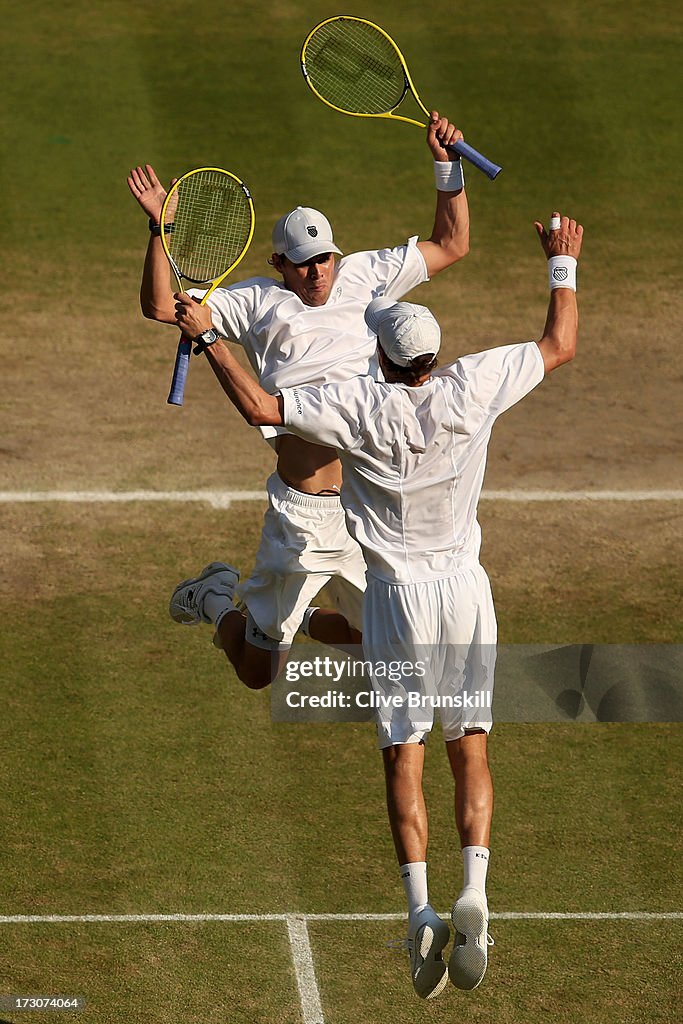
{"type": "Point", "coordinates": [469, 956]}
{"type": "Point", "coordinates": [187, 602]}
{"type": "Point", "coordinates": [427, 936]}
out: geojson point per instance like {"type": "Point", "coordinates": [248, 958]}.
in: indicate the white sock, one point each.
{"type": "Point", "coordinates": [414, 878]}
{"type": "Point", "coordinates": [475, 865]}
{"type": "Point", "coordinates": [215, 606]}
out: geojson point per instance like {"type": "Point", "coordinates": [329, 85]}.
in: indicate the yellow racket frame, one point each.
{"type": "Point", "coordinates": [215, 281]}
{"type": "Point", "coordinates": [389, 114]}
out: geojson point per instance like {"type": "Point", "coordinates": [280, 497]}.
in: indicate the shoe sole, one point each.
{"type": "Point", "coordinates": [214, 567]}
{"type": "Point", "coordinates": [468, 961]}
{"type": "Point", "coordinates": [429, 954]}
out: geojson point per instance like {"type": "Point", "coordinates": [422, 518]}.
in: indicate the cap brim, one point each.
{"type": "Point", "coordinates": [373, 312]}
{"type": "Point", "coordinates": [310, 249]}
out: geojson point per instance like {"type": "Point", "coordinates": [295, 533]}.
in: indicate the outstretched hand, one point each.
{"type": "Point", "coordinates": [147, 190]}
{"type": "Point", "coordinates": [441, 133]}
{"type": "Point", "coordinates": [562, 241]}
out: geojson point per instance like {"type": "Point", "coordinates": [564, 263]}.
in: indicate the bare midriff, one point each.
{"type": "Point", "coordinates": [308, 467]}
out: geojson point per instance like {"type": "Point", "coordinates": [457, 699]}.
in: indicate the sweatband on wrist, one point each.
{"type": "Point", "coordinates": [156, 228]}
{"type": "Point", "coordinates": [449, 175]}
{"type": "Point", "coordinates": [562, 272]}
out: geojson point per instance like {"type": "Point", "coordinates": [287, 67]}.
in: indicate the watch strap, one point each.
{"type": "Point", "coordinates": [204, 340]}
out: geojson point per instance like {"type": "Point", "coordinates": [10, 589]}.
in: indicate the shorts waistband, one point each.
{"type": "Point", "coordinates": [283, 492]}
{"type": "Point", "coordinates": [461, 563]}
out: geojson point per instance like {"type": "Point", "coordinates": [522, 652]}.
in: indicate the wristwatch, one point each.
{"type": "Point", "coordinates": [203, 340]}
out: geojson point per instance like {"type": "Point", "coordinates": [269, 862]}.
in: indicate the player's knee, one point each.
{"type": "Point", "coordinates": [470, 747]}
{"type": "Point", "coordinates": [258, 667]}
{"type": "Point", "coordinates": [254, 678]}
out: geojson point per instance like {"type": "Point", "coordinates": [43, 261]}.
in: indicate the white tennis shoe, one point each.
{"type": "Point", "coordinates": [469, 956]}
{"type": "Point", "coordinates": [187, 603]}
{"type": "Point", "coordinates": [427, 936]}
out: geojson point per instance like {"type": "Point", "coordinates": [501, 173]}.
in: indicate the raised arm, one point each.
{"type": "Point", "coordinates": [156, 294]}
{"type": "Point", "coordinates": [258, 407]}
{"type": "Point", "coordinates": [450, 237]}
{"type": "Point", "coordinates": [562, 240]}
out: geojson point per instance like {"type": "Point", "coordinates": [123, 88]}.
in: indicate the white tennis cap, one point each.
{"type": "Point", "coordinates": [405, 330]}
{"type": "Point", "coordinates": [302, 234]}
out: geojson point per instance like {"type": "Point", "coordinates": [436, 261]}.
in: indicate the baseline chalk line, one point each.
{"type": "Point", "coordinates": [512, 915]}
{"type": "Point", "coordinates": [224, 499]}
{"type": "Point", "coordinates": [299, 941]}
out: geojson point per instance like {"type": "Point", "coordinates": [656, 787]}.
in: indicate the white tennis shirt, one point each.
{"type": "Point", "coordinates": [288, 342]}
{"type": "Point", "coordinates": [414, 458]}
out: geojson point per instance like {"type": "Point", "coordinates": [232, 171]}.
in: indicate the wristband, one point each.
{"type": "Point", "coordinates": [562, 272]}
{"type": "Point", "coordinates": [156, 228]}
{"type": "Point", "coordinates": [449, 175]}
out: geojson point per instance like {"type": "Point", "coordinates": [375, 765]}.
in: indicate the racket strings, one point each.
{"type": "Point", "coordinates": [355, 67]}
{"type": "Point", "coordinates": [212, 225]}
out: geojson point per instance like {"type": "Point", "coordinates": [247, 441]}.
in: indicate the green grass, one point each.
{"type": "Point", "coordinates": [139, 775]}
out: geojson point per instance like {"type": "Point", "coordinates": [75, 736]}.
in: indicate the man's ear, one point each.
{"type": "Point", "coordinates": [277, 262]}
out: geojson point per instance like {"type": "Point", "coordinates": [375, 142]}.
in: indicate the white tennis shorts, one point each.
{"type": "Point", "coordinates": [433, 650]}
{"type": "Point", "coordinates": [304, 545]}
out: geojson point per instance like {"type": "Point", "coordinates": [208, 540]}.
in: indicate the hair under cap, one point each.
{"type": "Point", "coordinates": [404, 329]}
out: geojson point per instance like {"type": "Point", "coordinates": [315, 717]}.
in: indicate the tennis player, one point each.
{"type": "Point", "coordinates": [305, 328]}
{"type": "Point", "coordinates": [413, 450]}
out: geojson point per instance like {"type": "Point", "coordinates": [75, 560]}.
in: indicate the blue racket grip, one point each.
{"type": "Point", "coordinates": [182, 362]}
{"type": "Point", "coordinates": [487, 166]}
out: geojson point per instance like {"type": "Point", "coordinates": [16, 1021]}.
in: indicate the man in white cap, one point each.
{"type": "Point", "coordinates": [413, 450]}
{"type": "Point", "coordinates": [307, 327]}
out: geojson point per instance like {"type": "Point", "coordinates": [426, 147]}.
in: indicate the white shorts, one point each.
{"type": "Point", "coordinates": [304, 545]}
{"type": "Point", "coordinates": [439, 639]}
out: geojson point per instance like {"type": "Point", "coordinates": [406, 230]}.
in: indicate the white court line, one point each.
{"type": "Point", "coordinates": [224, 499]}
{"type": "Point", "coordinates": [300, 946]}
{"type": "Point", "coordinates": [216, 499]}
{"type": "Point", "coordinates": [513, 915]}
{"type": "Point", "coordinates": [302, 957]}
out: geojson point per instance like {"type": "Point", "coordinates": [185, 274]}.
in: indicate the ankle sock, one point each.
{"type": "Point", "coordinates": [414, 878]}
{"type": "Point", "coordinates": [475, 861]}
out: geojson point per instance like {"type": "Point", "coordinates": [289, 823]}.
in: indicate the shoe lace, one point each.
{"type": "Point", "coordinates": [400, 945]}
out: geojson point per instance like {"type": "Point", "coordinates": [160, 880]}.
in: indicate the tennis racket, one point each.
{"type": "Point", "coordinates": [355, 67]}
{"type": "Point", "coordinates": [207, 223]}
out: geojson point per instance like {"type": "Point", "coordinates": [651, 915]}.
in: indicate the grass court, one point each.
{"type": "Point", "coordinates": [140, 778]}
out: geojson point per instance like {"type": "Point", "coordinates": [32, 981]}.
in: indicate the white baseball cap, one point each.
{"type": "Point", "coordinates": [405, 330]}
{"type": "Point", "coordinates": [302, 234]}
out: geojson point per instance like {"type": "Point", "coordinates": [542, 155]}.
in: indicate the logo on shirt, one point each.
{"type": "Point", "coordinates": [313, 231]}
{"type": "Point", "coordinates": [560, 274]}
{"type": "Point", "coordinates": [297, 403]}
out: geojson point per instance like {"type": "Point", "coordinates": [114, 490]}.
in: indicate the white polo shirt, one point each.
{"type": "Point", "coordinates": [288, 342]}
{"type": "Point", "coordinates": [414, 458]}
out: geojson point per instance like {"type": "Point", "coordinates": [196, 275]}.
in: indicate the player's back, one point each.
{"type": "Point", "coordinates": [414, 457]}
{"type": "Point", "coordinates": [411, 486]}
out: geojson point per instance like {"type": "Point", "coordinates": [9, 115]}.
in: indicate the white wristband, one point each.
{"type": "Point", "coordinates": [449, 175]}
{"type": "Point", "coordinates": [562, 272]}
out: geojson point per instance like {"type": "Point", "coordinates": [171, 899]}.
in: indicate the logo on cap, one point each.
{"type": "Point", "coordinates": [313, 231]}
